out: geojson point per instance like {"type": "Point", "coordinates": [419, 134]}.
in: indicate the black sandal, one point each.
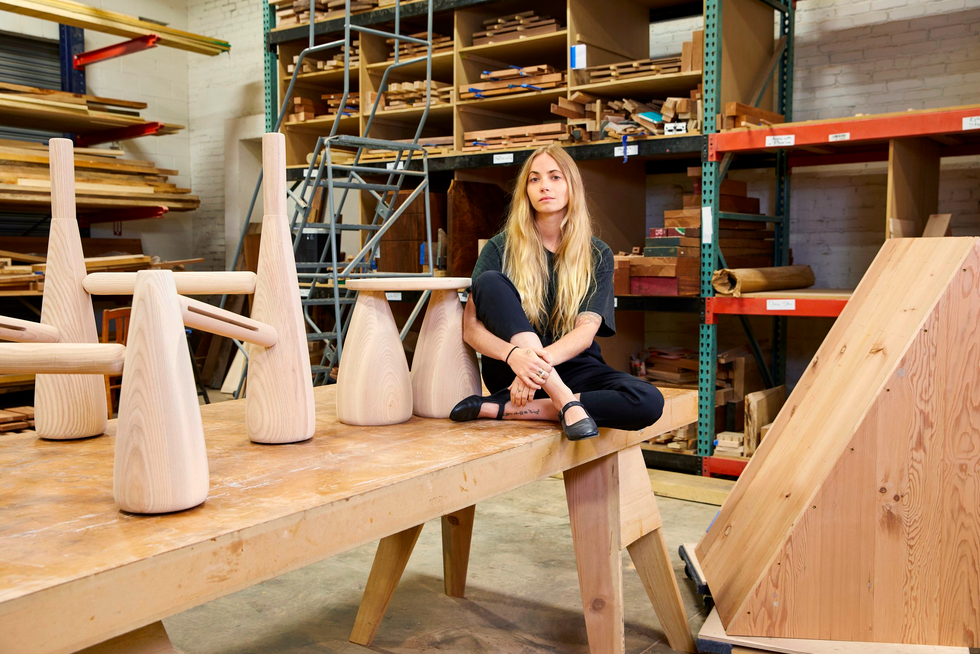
{"type": "Point", "coordinates": [584, 428]}
{"type": "Point", "coordinates": [469, 408]}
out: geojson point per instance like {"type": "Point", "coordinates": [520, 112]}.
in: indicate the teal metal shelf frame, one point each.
{"type": "Point", "coordinates": [712, 174]}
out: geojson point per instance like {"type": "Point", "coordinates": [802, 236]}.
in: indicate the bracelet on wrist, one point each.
{"type": "Point", "coordinates": [510, 353]}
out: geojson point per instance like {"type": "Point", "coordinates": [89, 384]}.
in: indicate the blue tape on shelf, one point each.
{"type": "Point", "coordinates": [422, 253]}
{"type": "Point", "coordinates": [626, 155]}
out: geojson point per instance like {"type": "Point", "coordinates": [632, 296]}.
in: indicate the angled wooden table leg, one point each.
{"type": "Point", "coordinates": [592, 491]}
{"type": "Point", "coordinates": [457, 532]}
{"type": "Point", "coordinates": [151, 639]}
{"type": "Point", "coordinates": [389, 564]}
{"type": "Point", "coordinates": [611, 506]}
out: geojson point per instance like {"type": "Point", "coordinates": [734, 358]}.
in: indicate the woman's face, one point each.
{"type": "Point", "coordinates": [547, 187]}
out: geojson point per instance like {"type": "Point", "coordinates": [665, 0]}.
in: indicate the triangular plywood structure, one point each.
{"type": "Point", "coordinates": [859, 516]}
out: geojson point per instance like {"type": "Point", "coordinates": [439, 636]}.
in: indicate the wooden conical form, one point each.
{"type": "Point", "coordinates": [858, 518]}
{"type": "Point", "coordinates": [279, 396]}
{"type": "Point", "coordinates": [67, 406]}
{"type": "Point", "coordinates": [444, 369]}
{"type": "Point", "coordinates": [161, 464]}
{"type": "Point", "coordinates": [374, 386]}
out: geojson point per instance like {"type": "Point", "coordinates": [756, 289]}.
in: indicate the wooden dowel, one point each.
{"type": "Point", "coordinates": [274, 174]}
{"type": "Point", "coordinates": [188, 283]}
{"type": "Point", "coordinates": [62, 358]}
{"type": "Point", "coordinates": [25, 331]}
{"type": "Point", "coordinates": [203, 316]}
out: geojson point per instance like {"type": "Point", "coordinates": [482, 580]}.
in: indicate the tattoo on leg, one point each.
{"type": "Point", "coordinates": [522, 413]}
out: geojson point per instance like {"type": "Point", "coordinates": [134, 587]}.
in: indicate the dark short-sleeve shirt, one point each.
{"type": "Point", "coordinates": [598, 300]}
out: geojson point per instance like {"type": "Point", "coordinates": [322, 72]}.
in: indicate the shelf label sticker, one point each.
{"type": "Point", "coordinates": [843, 136]}
{"type": "Point", "coordinates": [393, 296]}
{"type": "Point", "coordinates": [675, 128]}
{"type": "Point", "coordinates": [780, 141]}
{"type": "Point", "coordinates": [780, 305]}
{"type": "Point", "coordinates": [707, 225]}
{"type": "Point", "coordinates": [304, 292]}
{"type": "Point", "coordinates": [971, 122]}
{"type": "Point", "coordinates": [615, 302]}
{"type": "Point", "coordinates": [391, 165]}
{"type": "Point", "coordinates": [463, 296]}
{"type": "Point", "coordinates": [578, 56]}
{"type": "Point", "coordinates": [631, 150]}
{"type": "Point", "coordinates": [503, 158]}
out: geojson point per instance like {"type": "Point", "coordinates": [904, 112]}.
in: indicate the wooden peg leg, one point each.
{"type": "Point", "coordinates": [592, 491]}
{"type": "Point", "coordinates": [389, 564]}
{"type": "Point", "coordinates": [457, 532]}
{"type": "Point", "coordinates": [151, 639]}
{"type": "Point", "coordinates": [652, 561]}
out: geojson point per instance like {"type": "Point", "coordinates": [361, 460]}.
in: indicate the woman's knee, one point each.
{"type": "Point", "coordinates": [491, 282]}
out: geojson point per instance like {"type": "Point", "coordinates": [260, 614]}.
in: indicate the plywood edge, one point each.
{"type": "Point", "coordinates": [731, 602]}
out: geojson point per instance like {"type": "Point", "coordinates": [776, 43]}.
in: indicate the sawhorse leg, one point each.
{"type": "Point", "coordinates": [389, 564]}
{"type": "Point", "coordinates": [611, 506]}
{"type": "Point", "coordinates": [151, 639]}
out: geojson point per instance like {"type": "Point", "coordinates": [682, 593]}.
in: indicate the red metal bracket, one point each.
{"type": "Point", "coordinates": [712, 466]}
{"type": "Point", "coordinates": [760, 306]}
{"type": "Point", "coordinates": [120, 215]}
{"type": "Point", "coordinates": [83, 59]}
{"type": "Point", "coordinates": [117, 134]}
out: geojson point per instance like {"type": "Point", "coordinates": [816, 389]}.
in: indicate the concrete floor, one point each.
{"type": "Point", "coordinates": [522, 593]}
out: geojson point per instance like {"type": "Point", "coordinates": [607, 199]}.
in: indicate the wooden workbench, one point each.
{"type": "Point", "coordinates": [75, 571]}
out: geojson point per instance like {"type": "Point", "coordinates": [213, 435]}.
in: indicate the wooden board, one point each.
{"type": "Point", "coordinates": [913, 182]}
{"type": "Point", "coordinates": [713, 634]}
{"type": "Point", "coordinates": [761, 408]}
{"type": "Point", "coordinates": [860, 507]}
{"type": "Point", "coordinates": [270, 510]}
{"type": "Point", "coordinates": [693, 488]}
{"type": "Point", "coordinates": [474, 211]}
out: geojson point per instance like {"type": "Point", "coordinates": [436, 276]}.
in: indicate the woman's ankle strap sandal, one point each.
{"type": "Point", "coordinates": [469, 408]}
{"type": "Point", "coordinates": [584, 428]}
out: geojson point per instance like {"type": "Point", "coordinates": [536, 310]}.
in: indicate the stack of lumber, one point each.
{"type": "Point", "coordinates": [526, 136]}
{"type": "Point", "coordinates": [17, 277]}
{"type": "Point", "coordinates": [406, 50]}
{"type": "Point", "coordinates": [631, 69]}
{"type": "Point", "coordinates": [16, 419]}
{"type": "Point", "coordinates": [78, 113]}
{"type": "Point", "coordinates": [730, 444]}
{"type": "Point", "coordinates": [103, 180]}
{"type": "Point", "coordinates": [592, 118]}
{"type": "Point", "coordinates": [303, 109]}
{"type": "Point", "coordinates": [514, 26]}
{"type": "Point", "coordinates": [513, 80]}
{"type": "Point", "coordinates": [692, 53]}
{"type": "Point", "coordinates": [77, 14]}
{"type": "Point", "coordinates": [334, 100]}
{"type": "Point", "coordinates": [670, 264]}
{"type": "Point", "coordinates": [316, 62]}
{"type": "Point", "coordinates": [743, 115]}
{"type": "Point", "coordinates": [117, 263]}
{"type": "Point", "coordinates": [402, 95]}
{"type": "Point", "coordinates": [432, 144]}
{"type": "Point", "coordinates": [290, 13]}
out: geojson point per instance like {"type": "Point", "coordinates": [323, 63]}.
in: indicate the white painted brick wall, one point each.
{"type": "Point", "coordinates": [158, 77]}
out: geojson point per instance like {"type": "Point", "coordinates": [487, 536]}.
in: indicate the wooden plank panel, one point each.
{"type": "Point", "coordinates": [913, 182]}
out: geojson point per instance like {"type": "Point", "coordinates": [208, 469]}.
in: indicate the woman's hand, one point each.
{"type": "Point", "coordinates": [520, 394]}
{"type": "Point", "coordinates": [531, 365]}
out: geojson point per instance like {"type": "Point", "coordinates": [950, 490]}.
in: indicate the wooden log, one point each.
{"type": "Point", "coordinates": [736, 281]}
{"type": "Point", "coordinates": [203, 316]}
{"type": "Point", "coordinates": [279, 396]}
{"type": "Point", "coordinates": [67, 406]}
{"type": "Point", "coordinates": [188, 283]}
{"type": "Point", "coordinates": [25, 331]}
{"type": "Point", "coordinates": [161, 464]}
{"type": "Point", "coordinates": [62, 358]}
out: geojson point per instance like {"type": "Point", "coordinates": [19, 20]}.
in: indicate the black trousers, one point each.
{"type": "Point", "coordinates": [613, 398]}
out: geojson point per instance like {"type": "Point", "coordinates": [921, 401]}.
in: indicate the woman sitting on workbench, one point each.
{"type": "Point", "coordinates": [542, 290]}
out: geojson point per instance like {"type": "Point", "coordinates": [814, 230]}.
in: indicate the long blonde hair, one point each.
{"type": "Point", "coordinates": [525, 261]}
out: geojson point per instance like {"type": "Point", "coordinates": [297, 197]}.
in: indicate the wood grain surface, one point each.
{"type": "Point", "coordinates": [374, 386]}
{"type": "Point", "coordinates": [861, 506]}
{"type": "Point", "coordinates": [444, 368]}
{"type": "Point", "coordinates": [160, 460]}
{"type": "Point", "coordinates": [67, 406]}
{"type": "Point", "coordinates": [62, 358]}
{"type": "Point", "coordinates": [240, 282]}
{"type": "Point", "coordinates": [270, 510]}
{"type": "Point", "coordinates": [26, 331]}
{"type": "Point", "coordinates": [279, 394]}
{"type": "Point", "coordinates": [420, 283]}
{"type": "Point", "coordinates": [208, 318]}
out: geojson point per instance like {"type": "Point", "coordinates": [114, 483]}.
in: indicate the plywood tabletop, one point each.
{"type": "Point", "coordinates": [59, 523]}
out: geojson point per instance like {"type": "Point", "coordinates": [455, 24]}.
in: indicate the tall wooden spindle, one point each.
{"type": "Point", "coordinates": [67, 406]}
